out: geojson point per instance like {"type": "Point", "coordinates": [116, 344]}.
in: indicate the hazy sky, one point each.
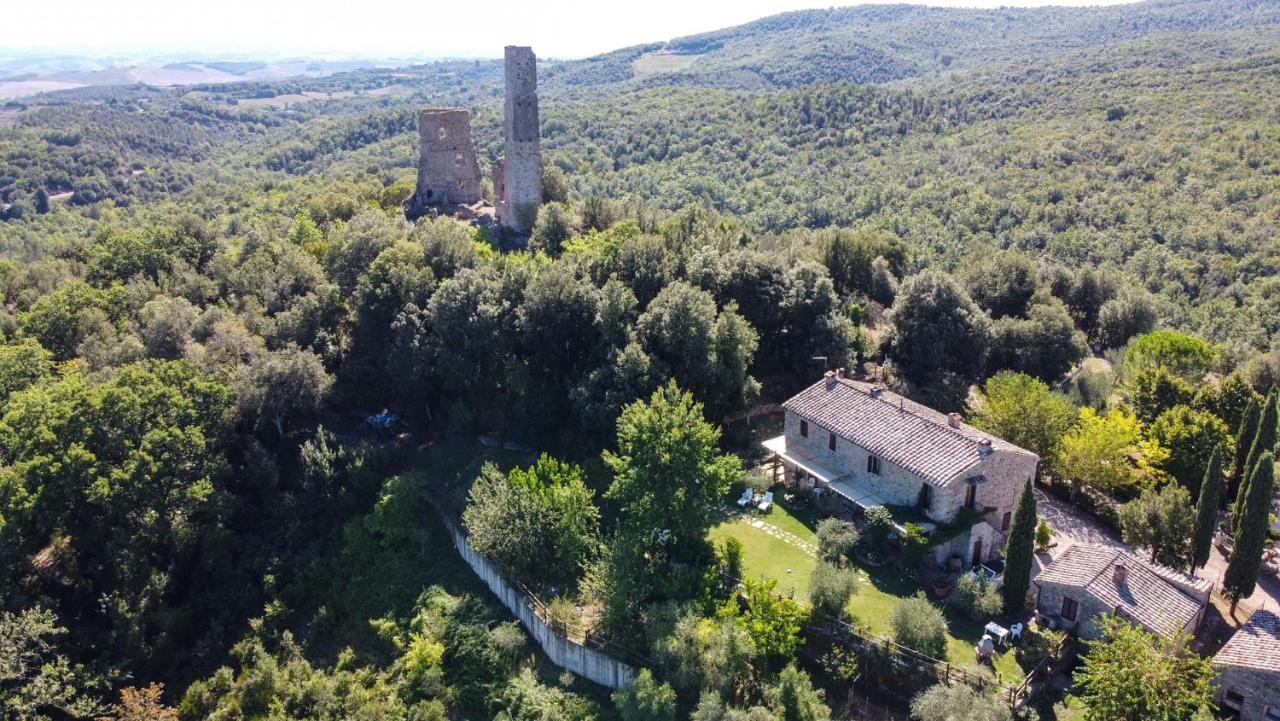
{"type": "Point", "coordinates": [386, 28]}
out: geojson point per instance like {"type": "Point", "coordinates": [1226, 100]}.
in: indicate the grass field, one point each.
{"type": "Point", "coordinates": [658, 63]}
{"type": "Point", "coordinates": [781, 555]}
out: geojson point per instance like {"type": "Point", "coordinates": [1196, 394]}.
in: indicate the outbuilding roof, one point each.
{"type": "Point", "coordinates": [1254, 645]}
{"type": "Point", "coordinates": [930, 444]}
{"type": "Point", "coordinates": [1159, 598]}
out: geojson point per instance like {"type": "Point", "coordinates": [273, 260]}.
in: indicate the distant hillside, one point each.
{"type": "Point", "coordinates": [881, 43]}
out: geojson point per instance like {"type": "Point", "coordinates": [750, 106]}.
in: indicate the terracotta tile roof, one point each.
{"type": "Point", "coordinates": [1255, 644]}
{"type": "Point", "coordinates": [1161, 599]}
{"type": "Point", "coordinates": [899, 430]}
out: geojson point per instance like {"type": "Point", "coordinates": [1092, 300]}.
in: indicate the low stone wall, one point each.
{"type": "Point", "coordinates": [589, 663]}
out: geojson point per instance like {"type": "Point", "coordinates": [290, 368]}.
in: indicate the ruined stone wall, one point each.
{"type": "Point", "coordinates": [521, 180]}
{"type": "Point", "coordinates": [448, 172]}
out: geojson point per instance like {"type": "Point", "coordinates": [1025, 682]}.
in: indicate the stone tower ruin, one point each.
{"type": "Point", "coordinates": [448, 173]}
{"type": "Point", "coordinates": [517, 177]}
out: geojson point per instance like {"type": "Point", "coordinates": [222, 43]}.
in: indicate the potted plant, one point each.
{"type": "Point", "coordinates": [941, 587]}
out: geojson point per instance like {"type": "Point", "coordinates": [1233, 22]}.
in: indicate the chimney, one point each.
{"type": "Point", "coordinates": [830, 377]}
{"type": "Point", "coordinates": [984, 447]}
{"type": "Point", "coordinates": [839, 373]}
{"type": "Point", "coordinates": [953, 420]}
{"type": "Point", "coordinates": [876, 391]}
{"type": "Point", "coordinates": [1119, 574]}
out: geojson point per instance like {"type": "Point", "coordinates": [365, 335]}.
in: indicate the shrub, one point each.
{"type": "Point", "coordinates": [920, 626]}
{"type": "Point", "coordinates": [977, 597]}
{"type": "Point", "coordinates": [879, 521]}
{"type": "Point", "coordinates": [1044, 536]}
{"type": "Point", "coordinates": [831, 587]}
{"type": "Point", "coordinates": [914, 544]}
{"type": "Point", "coordinates": [836, 539]}
{"type": "Point", "coordinates": [944, 703]}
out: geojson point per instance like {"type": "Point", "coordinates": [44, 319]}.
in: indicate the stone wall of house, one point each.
{"type": "Point", "coordinates": [448, 173]}
{"type": "Point", "coordinates": [1260, 688]}
{"type": "Point", "coordinates": [521, 167]}
{"type": "Point", "coordinates": [1005, 474]}
{"type": "Point", "coordinates": [1049, 602]}
{"type": "Point", "coordinates": [896, 484]}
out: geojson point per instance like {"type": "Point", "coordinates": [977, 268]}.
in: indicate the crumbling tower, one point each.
{"type": "Point", "coordinates": [517, 176]}
{"type": "Point", "coordinates": [448, 173]}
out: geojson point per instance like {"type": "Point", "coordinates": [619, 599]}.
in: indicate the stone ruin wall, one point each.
{"type": "Point", "coordinates": [520, 184]}
{"type": "Point", "coordinates": [448, 172]}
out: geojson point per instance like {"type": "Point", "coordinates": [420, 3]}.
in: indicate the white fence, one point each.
{"type": "Point", "coordinates": [589, 663]}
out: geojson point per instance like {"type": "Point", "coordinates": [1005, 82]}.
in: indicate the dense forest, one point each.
{"type": "Point", "coordinates": [207, 292]}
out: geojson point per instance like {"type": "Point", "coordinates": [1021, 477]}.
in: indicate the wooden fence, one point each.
{"type": "Point", "coordinates": [590, 659]}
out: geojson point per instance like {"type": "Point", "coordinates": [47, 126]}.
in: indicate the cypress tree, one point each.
{"type": "Point", "coordinates": [1018, 553]}
{"type": "Point", "coordinates": [42, 201]}
{"type": "Point", "coordinates": [1207, 511]}
{"type": "Point", "coordinates": [1246, 556]}
{"type": "Point", "coordinates": [1244, 441]}
{"type": "Point", "coordinates": [1263, 442]}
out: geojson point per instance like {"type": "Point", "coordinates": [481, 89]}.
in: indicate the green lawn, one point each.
{"type": "Point", "coordinates": [879, 589]}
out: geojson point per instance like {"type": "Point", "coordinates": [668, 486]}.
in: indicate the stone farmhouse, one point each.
{"type": "Point", "coordinates": [858, 445]}
{"type": "Point", "coordinates": [1087, 581]}
{"type": "Point", "coordinates": [1249, 668]}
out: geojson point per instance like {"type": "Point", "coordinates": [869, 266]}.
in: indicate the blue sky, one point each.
{"type": "Point", "coordinates": [384, 28]}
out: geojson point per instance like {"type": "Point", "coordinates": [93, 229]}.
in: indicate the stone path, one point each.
{"type": "Point", "coordinates": [772, 530]}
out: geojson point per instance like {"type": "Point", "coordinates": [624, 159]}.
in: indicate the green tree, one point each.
{"type": "Point", "coordinates": [1226, 399]}
{"type": "Point", "coordinates": [1162, 522]}
{"type": "Point", "coordinates": [1264, 441]}
{"type": "Point", "coordinates": [837, 539]}
{"type": "Point", "coordinates": [57, 320]}
{"type": "Point", "coordinates": [1190, 437]}
{"type": "Point", "coordinates": [920, 626]}
{"type": "Point", "coordinates": [1132, 675]}
{"type": "Point", "coordinates": [830, 588]}
{"type": "Point", "coordinates": [1131, 313]}
{"type": "Point", "coordinates": [1156, 390]}
{"type": "Point", "coordinates": [1045, 344]}
{"type": "Point", "coordinates": [118, 481]}
{"type": "Point", "coordinates": [42, 201]}
{"type": "Point", "coordinates": [646, 699]}
{"type": "Point", "coordinates": [23, 363]}
{"type": "Point", "coordinates": [1002, 283]}
{"type": "Point", "coordinates": [1096, 452]}
{"type": "Point", "coordinates": [1184, 355]}
{"type": "Point", "coordinates": [283, 390]}
{"type": "Point", "coordinates": [540, 525]}
{"type": "Point", "coordinates": [1023, 411]}
{"type": "Point", "coordinates": [705, 352]}
{"type": "Point", "coordinates": [1019, 552]}
{"type": "Point", "coordinates": [712, 654]}
{"type": "Point", "coordinates": [553, 227]}
{"type": "Point", "coordinates": [795, 698]}
{"type": "Point", "coordinates": [1245, 433]}
{"type": "Point", "coordinates": [37, 681]}
{"type": "Point", "coordinates": [773, 621]}
{"type": "Point", "coordinates": [1251, 533]}
{"type": "Point", "coordinates": [937, 330]}
{"type": "Point", "coordinates": [1207, 510]}
{"type": "Point", "coordinates": [953, 702]}
{"type": "Point", "coordinates": [669, 478]}
{"type": "Point", "coordinates": [850, 255]}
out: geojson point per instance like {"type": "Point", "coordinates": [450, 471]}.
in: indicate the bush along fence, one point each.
{"type": "Point", "coordinates": [882, 657]}
{"type": "Point", "coordinates": [592, 658]}
{"type": "Point", "coordinates": [882, 660]}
